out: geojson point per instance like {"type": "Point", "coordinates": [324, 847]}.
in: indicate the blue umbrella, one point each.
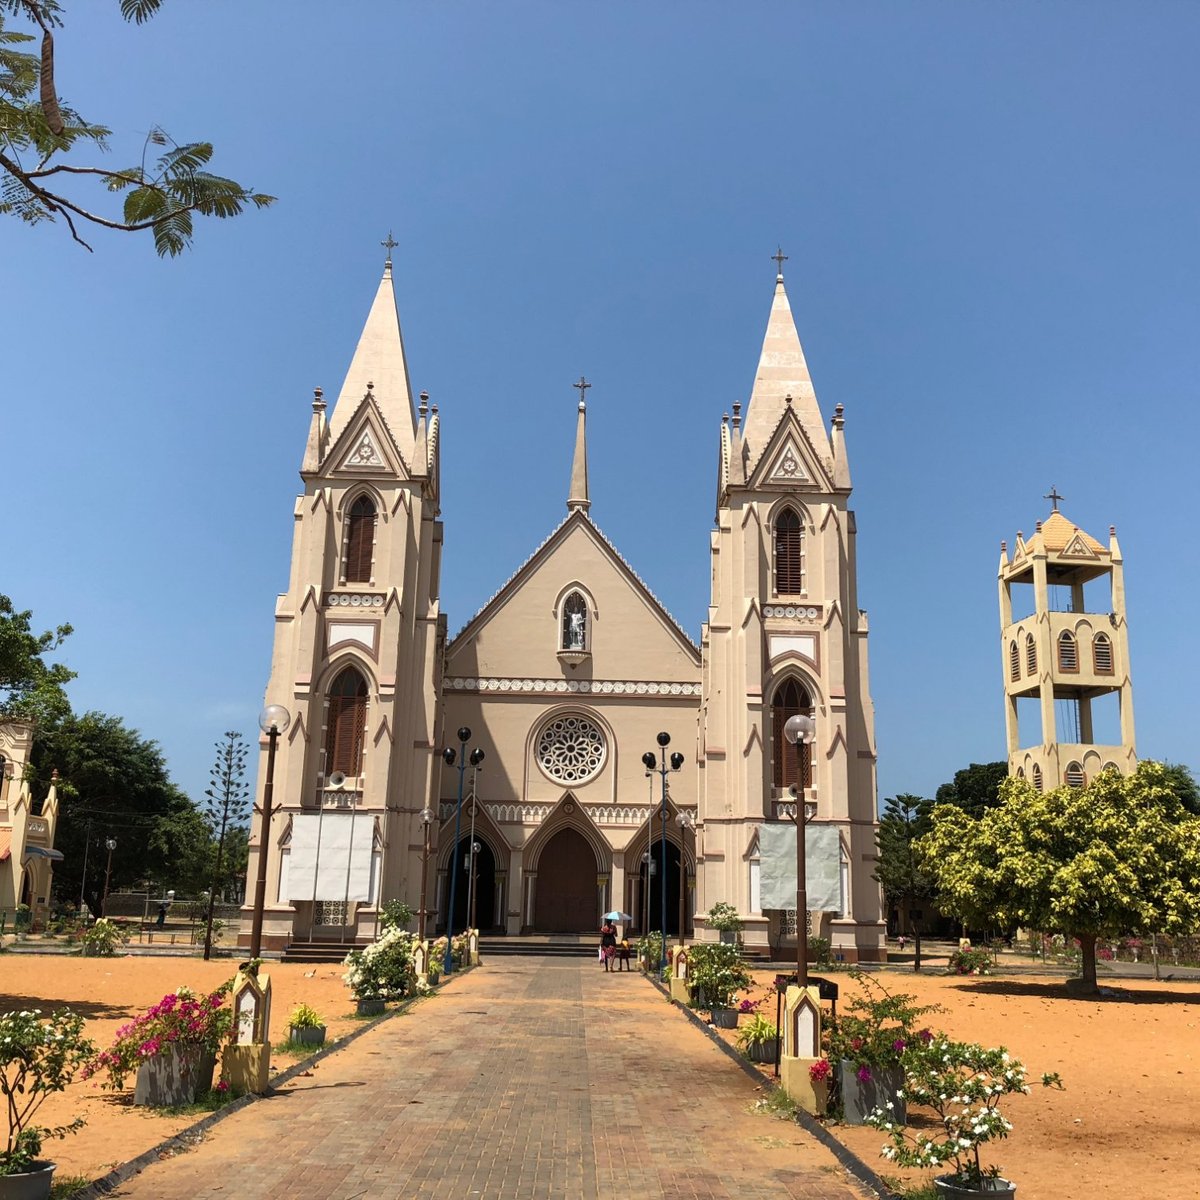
{"type": "Point", "coordinates": [617, 916]}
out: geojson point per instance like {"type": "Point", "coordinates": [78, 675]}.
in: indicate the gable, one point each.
{"type": "Point", "coordinates": [365, 448]}
{"type": "Point", "coordinates": [789, 461]}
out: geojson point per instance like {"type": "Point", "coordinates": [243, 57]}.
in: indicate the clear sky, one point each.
{"type": "Point", "coordinates": [990, 213]}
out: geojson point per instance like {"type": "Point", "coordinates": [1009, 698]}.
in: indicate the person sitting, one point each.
{"type": "Point", "coordinates": [623, 955]}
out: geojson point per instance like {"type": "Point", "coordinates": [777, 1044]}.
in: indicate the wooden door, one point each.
{"type": "Point", "coordinates": [566, 897]}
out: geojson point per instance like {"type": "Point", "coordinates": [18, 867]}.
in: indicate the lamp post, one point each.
{"type": "Point", "coordinates": [651, 871]}
{"type": "Point", "coordinates": [473, 881]}
{"type": "Point", "coordinates": [426, 821]}
{"type": "Point", "coordinates": [110, 844]}
{"type": "Point", "coordinates": [800, 730]}
{"type": "Point", "coordinates": [658, 764]}
{"type": "Point", "coordinates": [473, 892]}
{"type": "Point", "coordinates": [273, 720]}
{"type": "Point", "coordinates": [461, 758]}
{"type": "Point", "coordinates": [685, 822]}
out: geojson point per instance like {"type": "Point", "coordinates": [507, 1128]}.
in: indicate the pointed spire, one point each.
{"type": "Point", "coordinates": [841, 463]}
{"type": "Point", "coordinates": [314, 451]}
{"type": "Point", "coordinates": [578, 500]}
{"type": "Point", "coordinates": [379, 356]}
{"type": "Point", "coordinates": [782, 371]}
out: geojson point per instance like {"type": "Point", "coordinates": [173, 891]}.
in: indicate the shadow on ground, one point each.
{"type": "Point", "coordinates": [1059, 990]}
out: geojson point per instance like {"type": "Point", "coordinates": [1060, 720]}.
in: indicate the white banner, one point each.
{"type": "Point", "coordinates": [327, 851]}
{"type": "Point", "coordinates": [822, 866]}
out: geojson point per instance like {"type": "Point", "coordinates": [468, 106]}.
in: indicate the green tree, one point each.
{"type": "Point", "coordinates": [30, 687]}
{"type": "Point", "coordinates": [975, 788]}
{"type": "Point", "coordinates": [38, 132]}
{"type": "Point", "coordinates": [226, 806]}
{"type": "Point", "coordinates": [1119, 856]}
{"type": "Point", "coordinates": [906, 884]}
{"type": "Point", "coordinates": [1183, 783]}
{"type": "Point", "coordinates": [115, 783]}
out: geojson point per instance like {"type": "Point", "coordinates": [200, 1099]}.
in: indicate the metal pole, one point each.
{"type": "Point", "coordinates": [682, 885]}
{"type": "Point", "coordinates": [87, 842]}
{"type": "Point", "coordinates": [424, 877]}
{"type": "Point", "coordinates": [312, 919]}
{"type": "Point", "coordinates": [473, 882]}
{"type": "Point", "coordinates": [801, 879]}
{"type": "Point", "coordinates": [264, 832]}
{"type": "Point", "coordinates": [662, 866]}
{"type": "Point", "coordinates": [110, 844]}
{"type": "Point", "coordinates": [448, 968]}
{"type": "Point", "coordinates": [349, 865]}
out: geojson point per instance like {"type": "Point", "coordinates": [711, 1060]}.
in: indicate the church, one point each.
{"type": "Point", "coordinates": [599, 748]}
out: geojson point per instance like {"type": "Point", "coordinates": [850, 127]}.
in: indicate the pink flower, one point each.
{"type": "Point", "coordinates": [925, 1036]}
{"type": "Point", "coordinates": [820, 1070]}
{"type": "Point", "coordinates": [864, 1074]}
{"type": "Point", "coordinates": [898, 1045]}
{"type": "Point", "coordinates": [222, 1086]}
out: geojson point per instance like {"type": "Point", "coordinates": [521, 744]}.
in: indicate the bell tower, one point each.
{"type": "Point", "coordinates": [1068, 653]}
{"type": "Point", "coordinates": [358, 637]}
{"type": "Point", "coordinates": [785, 636]}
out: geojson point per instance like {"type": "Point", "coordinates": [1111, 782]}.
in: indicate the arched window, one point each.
{"type": "Point", "coordinates": [1030, 655]}
{"type": "Point", "coordinates": [790, 699]}
{"type": "Point", "coordinates": [1068, 652]}
{"type": "Point", "coordinates": [1020, 772]}
{"type": "Point", "coordinates": [360, 541]}
{"type": "Point", "coordinates": [1102, 658]}
{"type": "Point", "coordinates": [1014, 662]}
{"type": "Point", "coordinates": [1074, 775]}
{"type": "Point", "coordinates": [1037, 776]}
{"type": "Point", "coordinates": [346, 724]}
{"type": "Point", "coordinates": [789, 554]}
{"type": "Point", "coordinates": [574, 623]}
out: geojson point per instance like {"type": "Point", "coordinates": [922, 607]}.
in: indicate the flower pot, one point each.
{"type": "Point", "coordinates": [947, 1185]}
{"type": "Point", "coordinates": [434, 978]}
{"type": "Point", "coordinates": [178, 1074]}
{"type": "Point", "coordinates": [860, 1099]}
{"type": "Point", "coordinates": [307, 1035]}
{"type": "Point", "coordinates": [723, 1018]}
{"type": "Point", "coordinates": [33, 1184]}
{"type": "Point", "coordinates": [761, 1052]}
{"type": "Point", "coordinates": [370, 1006]}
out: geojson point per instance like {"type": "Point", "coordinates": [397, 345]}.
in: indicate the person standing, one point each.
{"type": "Point", "coordinates": [608, 943]}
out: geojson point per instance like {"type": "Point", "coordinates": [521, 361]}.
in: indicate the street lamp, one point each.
{"type": "Point", "coordinates": [273, 720]}
{"type": "Point", "coordinates": [473, 880]}
{"type": "Point", "coordinates": [426, 822]}
{"type": "Point", "coordinates": [451, 757]}
{"type": "Point", "coordinates": [801, 731]}
{"type": "Point", "coordinates": [685, 822]}
{"type": "Point", "coordinates": [111, 844]}
{"type": "Point", "coordinates": [651, 871]}
{"type": "Point", "coordinates": [658, 764]}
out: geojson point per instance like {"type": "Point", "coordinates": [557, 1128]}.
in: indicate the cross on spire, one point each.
{"type": "Point", "coordinates": [389, 245]}
{"type": "Point", "coordinates": [780, 258]}
{"type": "Point", "coordinates": [1053, 496]}
{"type": "Point", "coordinates": [582, 385]}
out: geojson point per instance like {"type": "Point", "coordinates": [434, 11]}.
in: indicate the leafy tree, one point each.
{"type": "Point", "coordinates": [1119, 856]}
{"type": "Point", "coordinates": [1183, 783]}
{"type": "Point", "coordinates": [227, 805]}
{"type": "Point", "coordinates": [974, 789]}
{"type": "Point", "coordinates": [30, 687]}
{"type": "Point", "coordinates": [115, 782]}
{"type": "Point", "coordinates": [906, 883]}
{"type": "Point", "coordinates": [38, 131]}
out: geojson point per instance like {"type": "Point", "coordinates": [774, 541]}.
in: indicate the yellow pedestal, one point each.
{"type": "Point", "coordinates": [679, 990]}
{"type": "Point", "coordinates": [794, 1078]}
{"type": "Point", "coordinates": [246, 1068]}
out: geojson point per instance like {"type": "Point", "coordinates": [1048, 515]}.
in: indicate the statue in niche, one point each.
{"type": "Point", "coordinates": [575, 623]}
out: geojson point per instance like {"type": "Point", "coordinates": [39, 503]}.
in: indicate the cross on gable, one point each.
{"type": "Point", "coordinates": [1053, 496]}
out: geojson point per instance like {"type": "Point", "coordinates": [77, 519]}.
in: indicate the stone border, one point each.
{"type": "Point", "coordinates": [186, 1139]}
{"type": "Point", "coordinates": [853, 1164]}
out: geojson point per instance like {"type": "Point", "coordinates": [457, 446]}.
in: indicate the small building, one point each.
{"type": "Point", "coordinates": [27, 853]}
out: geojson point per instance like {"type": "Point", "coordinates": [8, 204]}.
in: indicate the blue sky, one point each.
{"type": "Point", "coordinates": [990, 217]}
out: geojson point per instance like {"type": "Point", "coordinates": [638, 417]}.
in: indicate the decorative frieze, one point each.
{"type": "Point", "coordinates": [806, 614]}
{"type": "Point", "coordinates": [563, 687]}
{"type": "Point", "coordinates": [354, 599]}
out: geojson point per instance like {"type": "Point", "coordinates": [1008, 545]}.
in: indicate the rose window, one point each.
{"type": "Point", "coordinates": [571, 749]}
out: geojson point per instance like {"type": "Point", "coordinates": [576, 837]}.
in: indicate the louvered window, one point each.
{"type": "Point", "coordinates": [1102, 654]}
{"type": "Point", "coordinates": [1037, 777]}
{"type": "Point", "coordinates": [574, 623]}
{"type": "Point", "coordinates": [790, 700]}
{"type": "Point", "coordinates": [1014, 662]}
{"type": "Point", "coordinates": [1030, 655]}
{"type": "Point", "coordinates": [1068, 652]}
{"type": "Point", "coordinates": [1074, 775]}
{"type": "Point", "coordinates": [789, 554]}
{"type": "Point", "coordinates": [360, 541]}
{"type": "Point", "coordinates": [346, 724]}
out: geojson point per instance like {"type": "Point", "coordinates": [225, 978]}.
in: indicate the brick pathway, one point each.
{"type": "Point", "coordinates": [531, 1079]}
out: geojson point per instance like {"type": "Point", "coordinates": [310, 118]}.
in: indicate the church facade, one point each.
{"type": "Point", "coordinates": [555, 692]}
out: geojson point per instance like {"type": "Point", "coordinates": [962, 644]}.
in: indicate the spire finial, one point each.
{"type": "Point", "coordinates": [1053, 496]}
{"type": "Point", "coordinates": [737, 414]}
{"type": "Point", "coordinates": [424, 398]}
{"type": "Point", "coordinates": [318, 400]}
{"type": "Point", "coordinates": [583, 386]}
{"type": "Point", "coordinates": [389, 246]}
{"type": "Point", "coordinates": [780, 258]}
{"type": "Point", "coordinates": [578, 499]}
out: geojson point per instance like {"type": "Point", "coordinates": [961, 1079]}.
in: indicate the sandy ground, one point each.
{"type": "Point", "coordinates": [108, 992]}
{"type": "Point", "coordinates": [1126, 1124]}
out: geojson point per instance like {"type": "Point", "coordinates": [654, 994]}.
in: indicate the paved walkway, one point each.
{"type": "Point", "coordinates": [531, 1079]}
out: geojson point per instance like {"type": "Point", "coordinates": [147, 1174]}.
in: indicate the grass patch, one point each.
{"type": "Point", "coordinates": [65, 1186]}
{"type": "Point", "coordinates": [905, 1189]}
{"type": "Point", "coordinates": [776, 1103]}
{"type": "Point", "coordinates": [210, 1102]}
{"type": "Point", "coordinates": [304, 1049]}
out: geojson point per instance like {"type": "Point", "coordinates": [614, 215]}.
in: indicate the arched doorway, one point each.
{"type": "Point", "coordinates": [566, 896]}
{"type": "Point", "coordinates": [654, 895]}
{"type": "Point", "coordinates": [484, 886]}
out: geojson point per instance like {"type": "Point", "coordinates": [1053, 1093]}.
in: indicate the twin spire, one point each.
{"type": "Point", "coordinates": [578, 500]}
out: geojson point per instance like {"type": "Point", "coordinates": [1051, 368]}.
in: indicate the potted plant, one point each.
{"type": "Point", "coordinates": [37, 1058]}
{"type": "Point", "coordinates": [305, 1026]}
{"type": "Point", "coordinates": [102, 939]}
{"type": "Point", "coordinates": [385, 970]}
{"type": "Point", "coordinates": [868, 1043]}
{"type": "Point", "coordinates": [756, 1039]}
{"type": "Point", "coordinates": [171, 1048]}
{"type": "Point", "coordinates": [717, 971]}
{"type": "Point", "coordinates": [962, 1082]}
{"type": "Point", "coordinates": [436, 963]}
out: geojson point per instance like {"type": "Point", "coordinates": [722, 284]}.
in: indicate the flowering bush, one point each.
{"type": "Point", "coordinates": [717, 968]}
{"type": "Point", "coordinates": [973, 960]}
{"type": "Point", "coordinates": [102, 939]}
{"type": "Point", "coordinates": [963, 1083]}
{"type": "Point", "coordinates": [821, 1071]}
{"type": "Point", "coordinates": [36, 1059]}
{"type": "Point", "coordinates": [877, 1028]}
{"type": "Point", "coordinates": [384, 970]}
{"type": "Point", "coordinates": [181, 1018]}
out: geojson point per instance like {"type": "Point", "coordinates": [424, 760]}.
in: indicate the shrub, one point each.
{"type": "Point", "coordinates": [724, 918]}
{"type": "Point", "coordinates": [717, 968]}
{"type": "Point", "coordinates": [102, 939]}
{"type": "Point", "coordinates": [971, 961]}
{"type": "Point", "coordinates": [756, 1032]}
{"type": "Point", "coordinates": [305, 1017]}
{"type": "Point", "coordinates": [877, 1028]}
{"type": "Point", "coordinates": [384, 970]}
{"type": "Point", "coordinates": [395, 914]}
